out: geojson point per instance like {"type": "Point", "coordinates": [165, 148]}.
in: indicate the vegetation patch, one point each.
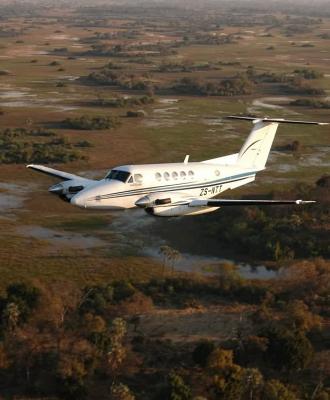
{"type": "Point", "coordinates": [20, 146]}
{"type": "Point", "coordinates": [121, 101]}
{"type": "Point", "coordinates": [239, 85]}
{"type": "Point", "coordinates": [87, 123]}
{"type": "Point", "coordinates": [311, 103]}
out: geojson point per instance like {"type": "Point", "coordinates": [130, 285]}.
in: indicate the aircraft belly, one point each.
{"type": "Point", "coordinates": [116, 203]}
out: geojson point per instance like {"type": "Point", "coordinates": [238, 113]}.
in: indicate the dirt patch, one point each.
{"type": "Point", "coordinates": [193, 324]}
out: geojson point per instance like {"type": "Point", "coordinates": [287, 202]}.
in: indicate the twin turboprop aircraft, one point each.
{"type": "Point", "coordinates": [176, 189]}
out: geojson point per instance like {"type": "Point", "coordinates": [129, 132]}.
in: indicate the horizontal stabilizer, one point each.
{"type": "Point", "coordinates": [277, 120]}
{"type": "Point", "coordinates": [226, 202]}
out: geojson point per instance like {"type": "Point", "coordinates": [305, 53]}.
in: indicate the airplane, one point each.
{"type": "Point", "coordinates": [177, 189]}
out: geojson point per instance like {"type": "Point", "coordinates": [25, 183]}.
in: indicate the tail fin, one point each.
{"type": "Point", "coordinates": [254, 152]}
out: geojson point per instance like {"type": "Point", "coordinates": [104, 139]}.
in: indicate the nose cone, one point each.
{"type": "Point", "coordinates": [56, 189]}
{"type": "Point", "coordinates": [78, 200]}
{"type": "Point", "coordinates": [143, 202]}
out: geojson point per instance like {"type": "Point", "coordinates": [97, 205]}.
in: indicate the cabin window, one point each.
{"type": "Point", "coordinates": [118, 175]}
{"type": "Point", "coordinates": [130, 180]}
{"type": "Point", "coordinates": [166, 176]}
{"type": "Point", "coordinates": [138, 178]}
{"type": "Point", "coordinates": [191, 174]}
{"type": "Point", "coordinates": [175, 175]}
{"type": "Point", "coordinates": [183, 175]}
{"type": "Point", "coordinates": [158, 176]}
{"type": "Point", "coordinates": [217, 172]}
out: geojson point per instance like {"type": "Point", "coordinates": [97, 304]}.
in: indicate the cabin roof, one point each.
{"type": "Point", "coordinates": [160, 167]}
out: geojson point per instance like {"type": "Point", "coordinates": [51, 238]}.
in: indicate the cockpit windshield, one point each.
{"type": "Point", "coordinates": [118, 175]}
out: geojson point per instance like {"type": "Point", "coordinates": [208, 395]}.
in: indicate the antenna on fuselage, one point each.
{"type": "Point", "coordinates": [186, 159]}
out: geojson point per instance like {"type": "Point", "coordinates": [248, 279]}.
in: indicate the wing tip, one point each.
{"type": "Point", "coordinates": [276, 120]}
{"type": "Point", "coordinates": [300, 202]}
{"type": "Point", "coordinates": [35, 166]}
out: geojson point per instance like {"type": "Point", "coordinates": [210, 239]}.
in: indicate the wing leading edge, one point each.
{"type": "Point", "coordinates": [65, 176]}
{"type": "Point", "coordinates": [228, 202]}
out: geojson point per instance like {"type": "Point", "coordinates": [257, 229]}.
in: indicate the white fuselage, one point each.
{"type": "Point", "coordinates": [125, 185]}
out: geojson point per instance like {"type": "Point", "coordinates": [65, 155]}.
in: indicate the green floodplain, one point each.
{"type": "Point", "coordinates": [232, 305]}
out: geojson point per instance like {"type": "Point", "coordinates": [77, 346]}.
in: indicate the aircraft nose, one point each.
{"type": "Point", "coordinates": [78, 200]}
{"type": "Point", "coordinates": [143, 202]}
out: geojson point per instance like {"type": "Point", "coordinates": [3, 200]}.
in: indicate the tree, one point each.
{"type": "Point", "coordinates": [25, 297]}
{"type": "Point", "coordinates": [228, 276]}
{"type": "Point", "coordinates": [252, 380]}
{"type": "Point", "coordinates": [10, 316]}
{"type": "Point", "coordinates": [4, 362]}
{"type": "Point", "coordinates": [170, 256]}
{"type": "Point", "coordinates": [220, 359]}
{"type": "Point", "coordinates": [300, 316]}
{"type": "Point", "coordinates": [229, 382]}
{"type": "Point", "coordinates": [117, 352]}
{"type": "Point", "coordinates": [121, 392]}
{"type": "Point", "coordinates": [275, 390]}
{"type": "Point", "coordinates": [202, 352]}
{"type": "Point", "coordinates": [288, 350]}
{"type": "Point", "coordinates": [176, 388]}
{"type": "Point", "coordinates": [320, 369]}
{"type": "Point", "coordinates": [76, 362]}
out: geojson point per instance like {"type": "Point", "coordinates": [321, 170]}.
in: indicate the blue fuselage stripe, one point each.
{"type": "Point", "coordinates": [171, 188]}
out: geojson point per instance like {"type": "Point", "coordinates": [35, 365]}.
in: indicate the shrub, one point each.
{"type": "Point", "coordinates": [135, 114]}
{"type": "Point", "coordinates": [275, 390]}
{"type": "Point", "coordinates": [91, 123]}
{"type": "Point", "coordinates": [288, 350]}
{"type": "Point", "coordinates": [14, 148]}
{"type": "Point", "coordinates": [308, 73]}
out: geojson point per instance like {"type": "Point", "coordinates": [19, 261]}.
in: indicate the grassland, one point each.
{"type": "Point", "coordinates": [46, 67]}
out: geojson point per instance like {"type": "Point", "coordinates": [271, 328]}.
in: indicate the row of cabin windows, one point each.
{"type": "Point", "coordinates": [124, 176]}
{"type": "Point", "coordinates": [175, 175]}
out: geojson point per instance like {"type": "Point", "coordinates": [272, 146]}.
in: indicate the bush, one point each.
{"type": "Point", "coordinates": [119, 102]}
{"type": "Point", "coordinates": [308, 73]}
{"type": "Point", "coordinates": [311, 103]}
{"type": "Point", "coordinates": [135, 114]}
{"type": "Point", "coordinates": [275, 390]}
{"type": "Point", "coordinates": [290, 351]}
{"type": "Point", "coordinates": [126, 81]}
{"type": "Point", "coordinates": [91, 123]}
{"type": "Point", "coordinates": [175, 389]}
{"type": "Point", "coordinates": [238, 85]}
{"type": "Point", "coordinates": [18, 304]}
{"type": "Point", "coordinates": [17, 147]}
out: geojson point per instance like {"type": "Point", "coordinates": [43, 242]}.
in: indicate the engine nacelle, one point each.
{"type": "Point", "coordinates": [158, 199]}
{"type": "Point", "coordinates": [169, 204]}
{"type": "Point", "coordinates": [67, 189]}
{"type": "Point", "coordinates": [178, 210]}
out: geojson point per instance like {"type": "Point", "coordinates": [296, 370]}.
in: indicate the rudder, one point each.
{"type": "Point", "coordinates": [254, 152]}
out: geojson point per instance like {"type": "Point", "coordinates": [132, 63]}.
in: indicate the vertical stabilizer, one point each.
{"type": "Point", "coordinates": [255, 151]}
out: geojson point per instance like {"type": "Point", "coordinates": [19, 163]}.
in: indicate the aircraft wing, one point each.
{"type": "Point", "coordinates": [226, 202]}
{"type": "Point", "coordinates": [164, 205]}
{"type": "Point", "coordinates": [64, 176]}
